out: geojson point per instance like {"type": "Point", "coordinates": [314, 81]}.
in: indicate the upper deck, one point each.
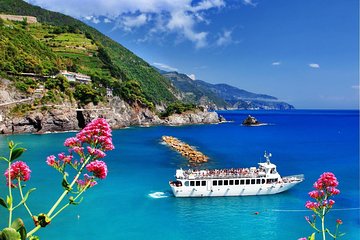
{"type": "Point", "coordinates": [221, 173]}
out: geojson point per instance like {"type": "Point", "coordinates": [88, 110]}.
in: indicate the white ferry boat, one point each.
{"type": "Point", "coordinates": [233, 182]}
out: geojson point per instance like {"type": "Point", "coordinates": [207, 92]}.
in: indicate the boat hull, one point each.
{"type": "Point", "coordinates": [228, 191]}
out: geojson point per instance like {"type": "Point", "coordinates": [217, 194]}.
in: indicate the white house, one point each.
{"type": "Point", "coordinates": [76, 77]}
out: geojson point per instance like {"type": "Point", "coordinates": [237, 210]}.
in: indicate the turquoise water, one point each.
{"type": "Point", "coordinates": [135, 201]}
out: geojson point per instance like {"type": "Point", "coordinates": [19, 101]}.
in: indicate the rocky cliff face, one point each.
{"type": "Point", "coordinates": [67, 116]}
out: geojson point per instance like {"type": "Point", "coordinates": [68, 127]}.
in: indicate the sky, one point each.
{"type": "Point", "coordinates": [304, 52]}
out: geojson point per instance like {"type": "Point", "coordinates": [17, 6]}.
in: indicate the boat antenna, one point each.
{"type": "Point", "coordinates": [267, 157]}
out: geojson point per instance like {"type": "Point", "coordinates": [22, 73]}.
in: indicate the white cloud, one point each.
{"type": "Point", "coordinates": [92, 19]}
{"type": "Point", "coordinates": [191, 76]}
{"type": "Point", "coordinates": [130, 22]}
{"type": "Point", "coordinates": [224, 39]}
{"type": "Point", "coordinates": [355, 87]}
{"type": "Point", "coordinates": [180, 17]}
{"type": "Point", "coordinates": [249, 2]}
{"type": "Point", "coordinates": [276, 63]}
{"type": "Point", "coordinates": [314, 65]}
{"type": "Point", "coordinates": [106, 20]}
{"type": "Point", "coordinates": [165, 67]}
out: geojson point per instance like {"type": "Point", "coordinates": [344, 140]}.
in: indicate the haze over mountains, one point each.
{"type": "Point", "coordinates": [222, 96]}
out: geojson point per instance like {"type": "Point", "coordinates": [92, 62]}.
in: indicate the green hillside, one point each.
{"type": "Point", "coordinates": [61, 42]}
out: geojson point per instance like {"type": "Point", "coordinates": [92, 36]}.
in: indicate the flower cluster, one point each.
{"type": "Point", "coordinates": [98, 168]}
{"type": "Point", "coordinates": [325, 187]}
{"type": "Point", "coordinates": [97, 134]}
{"type": "Point", "coordinates": [90, 144]}
{"type": "Point", "coordinates": [18, 171]}
{"type": "Point", "coordinates": [88, 182]}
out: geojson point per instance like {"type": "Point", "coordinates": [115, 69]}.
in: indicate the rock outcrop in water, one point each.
{"type": "Point", "coordinates": [193, 155]}
{"type": "Point", "coordinates": [251, 121]}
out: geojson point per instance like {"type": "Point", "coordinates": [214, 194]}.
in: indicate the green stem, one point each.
{"type": "Point", "coordinates": [61, 197]}
{"type": "Point", "coordinates": [66, 205]}
{"type": "Point", "coordinates": [22, 198]}
{"type": "Point", "coordinates": [323, 224]}
{"type": "Point", "coordinates": [9, 187]}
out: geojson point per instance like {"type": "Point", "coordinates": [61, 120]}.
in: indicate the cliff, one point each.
{"type": "Point", "coordinates": [19, 115]}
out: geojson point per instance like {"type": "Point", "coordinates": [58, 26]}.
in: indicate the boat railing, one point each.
{"type": "Point", "coordinates": [294, 178]}
{"type": "Point", "coordinates": [229, 176]}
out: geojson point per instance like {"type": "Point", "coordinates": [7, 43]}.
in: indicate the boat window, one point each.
{"type": "Point", "coordinates": [231, 182]}
{"type": "Point", "coordinates": [192, 183]}
{"type": "Point", "coordinates": [257, 181]}
{"type": "Point", "coordinates": [236, 182]}
{"type": "Point", "coordinates": [187, 183]}
{"type": "Point", "coordinates": [268, 181]}
{"type": "Point", "coordinates": [226, 182]}
{"type": "Point", "coordinates": [215, 183]}
{"type": "Point", "coordinates": [203, 183]}
{"type": "Point", "coordinates": [263, 181]}
{"type": "Point", "coordinates": [242, 182]}
{"type": "Point", "coordinates": [220, 182]}
{"type": "Point", "coordinates": [247, 181]}
{"type": "Point", "coordinates": [197, 183]}
{"type": "Point", "coordinates": [252, 181]}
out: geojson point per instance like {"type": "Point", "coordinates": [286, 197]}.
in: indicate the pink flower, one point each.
{"type": "Point", "coordinates": [333, 190]}
{"type": "Point", "coordinates": [303, 238]}
{"type": "Point", "coordinates": [331, 202]}
{"type": "Point", "coordinates": [311, 205]}
{"type": "Point", "coordinates": [97, 133]}
{"type": "Point", "coordinates": [88, 182]}
{"type": "Point", "coordinates": [50, 160]}
{"type": "Point", "coordinates": [72, 142]}
{"type": "Point", "coordinates": [78, 150]}
{"type": "Point", "coordinates": [96, 152]}
{"type": "Point", "coordinates": [65, 158]}
{"type": "Point", "coordinates": [18, 170]}
{"type": "Point", "coordinates": [98, 168]}
{"type": "Point", "coordinates": [339, 221]}
{"type": "Point", "coordinates": [327, 179]}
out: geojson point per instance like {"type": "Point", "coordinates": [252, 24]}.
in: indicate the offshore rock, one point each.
{"type": "Point", "coordinates": [250, 121]}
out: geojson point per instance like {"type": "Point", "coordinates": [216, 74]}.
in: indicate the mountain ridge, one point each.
{"type": "Point", "coordinates": [222, 95]}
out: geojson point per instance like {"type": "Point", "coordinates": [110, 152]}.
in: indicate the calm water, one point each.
{"type": "Point", "coordinates": [134, 202]}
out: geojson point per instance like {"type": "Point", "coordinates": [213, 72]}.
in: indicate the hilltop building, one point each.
{"type": "Point", "coordinates": [75, 77]}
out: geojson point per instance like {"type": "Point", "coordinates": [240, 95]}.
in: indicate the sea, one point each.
{"type": "Point", "coordinates": [135, 201]}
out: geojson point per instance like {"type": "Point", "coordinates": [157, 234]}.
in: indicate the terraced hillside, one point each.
{"type": "Point", "coordinates": [81, 48]}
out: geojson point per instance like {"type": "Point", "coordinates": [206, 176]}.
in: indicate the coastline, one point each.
{"type": "Point", "coordinates": [67, 120]}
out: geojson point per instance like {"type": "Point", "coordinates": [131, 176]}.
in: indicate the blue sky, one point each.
{"type": "Point", "coordinates": [305, 52]}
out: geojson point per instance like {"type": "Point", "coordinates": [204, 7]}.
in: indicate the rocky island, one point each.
{"type": "Point", "coordinates": [252, 121]}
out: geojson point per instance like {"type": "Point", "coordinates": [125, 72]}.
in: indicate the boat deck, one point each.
{"type": "Point", "coordinates": [223, 173]}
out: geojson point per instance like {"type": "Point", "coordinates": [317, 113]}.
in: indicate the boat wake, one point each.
{"type": "Point", "coordinates": [157, 195]}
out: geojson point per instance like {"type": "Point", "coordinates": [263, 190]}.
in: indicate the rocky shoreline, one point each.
{"type": "Point", "coordinates": [67, 117]}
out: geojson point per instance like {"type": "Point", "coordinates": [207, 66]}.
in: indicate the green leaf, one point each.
{"type": "Point", "coordinates": [71, 200]}
{"type": "Point", "coordinates": [3, 203]}
{"type": "Point", "coordinates": [10, 234]}
{"type": "Point", "coordinates": [16, 153]}
{"type": "Point", "coordinates": [5, 159]}
{"type": "Point", "coordinates": [312, 237]}
{"type": "Point", "coordinates": [65, 184]}
{"type": "Point", "coordinates": [19, 226]}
